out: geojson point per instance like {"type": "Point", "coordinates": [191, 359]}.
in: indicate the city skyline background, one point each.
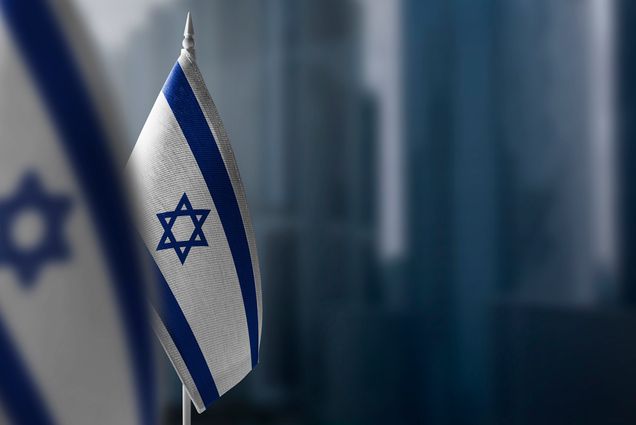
{"type": "Point", "coordinates": [440, 191]}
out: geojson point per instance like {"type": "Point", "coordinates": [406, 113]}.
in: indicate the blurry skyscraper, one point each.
{"type": "Point", "coordinates": [556, 142]}
{"type": "Point", "coordinates": [432, 184]}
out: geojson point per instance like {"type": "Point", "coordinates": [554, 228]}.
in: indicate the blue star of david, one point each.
{"type": "Point", "coordinates": [31, 196]}
{"type": "Point", "coordinates": [168, 219]}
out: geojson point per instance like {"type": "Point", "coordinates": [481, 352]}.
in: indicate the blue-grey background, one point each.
{"type": "Point", "coordinates": [441, 194]}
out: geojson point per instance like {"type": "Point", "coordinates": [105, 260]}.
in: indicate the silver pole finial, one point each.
{"type": "Point", "coordinates": [188, 36]}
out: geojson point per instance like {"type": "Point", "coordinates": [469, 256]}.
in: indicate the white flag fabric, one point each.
{"type": "Point", "coordinates": [195, 223]}
{"type": "Point", "coordinates": [75, 346]}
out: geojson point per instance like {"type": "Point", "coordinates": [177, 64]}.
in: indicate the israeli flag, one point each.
{"type": "Point", "coordinates": [74, 340]}
{"type": "Point", "coordinates": [196, 225]}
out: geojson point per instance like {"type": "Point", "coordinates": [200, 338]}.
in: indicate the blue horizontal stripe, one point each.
{"type": "Point", "coordinates": [191, 119]}
{"type": "Point", "coordinates": [181, 333]}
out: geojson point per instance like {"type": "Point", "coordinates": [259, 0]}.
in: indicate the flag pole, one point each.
{"type": "Point", "coordinates": [185, 406]}
{"type": "Point", "coordinates": [188, 46]}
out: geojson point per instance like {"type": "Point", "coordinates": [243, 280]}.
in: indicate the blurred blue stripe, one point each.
{"type": "Point", "coordinates": [59, 81]}
{"type": "Point", "coordinates": [23, 403]}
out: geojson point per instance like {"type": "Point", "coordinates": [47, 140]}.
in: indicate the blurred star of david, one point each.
{"type": "Point", "coordinates": [177, 221]}
{"type": "Point", "coordinates": [31, 229]}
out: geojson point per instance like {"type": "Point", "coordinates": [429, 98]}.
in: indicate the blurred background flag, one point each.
{"type": "Point", "coordinates": [195, 223]}
{"type": "Point", "coordinates": [74, 340]}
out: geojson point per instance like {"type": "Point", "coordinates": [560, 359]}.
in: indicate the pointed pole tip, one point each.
{"type": "Point", "coordinates": [188, 36]}
{"type": "Point", "coordinates": [189, 28]}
